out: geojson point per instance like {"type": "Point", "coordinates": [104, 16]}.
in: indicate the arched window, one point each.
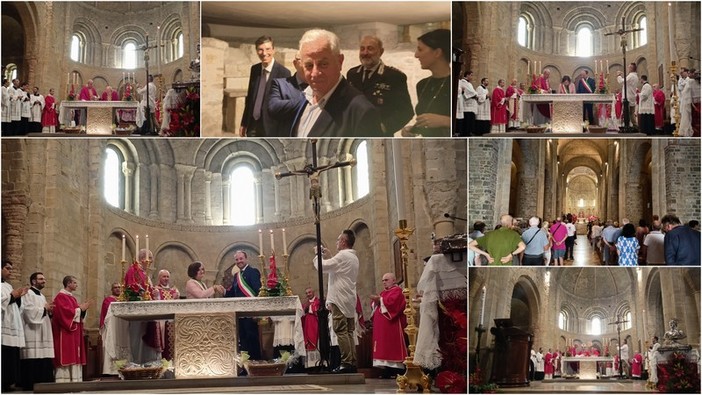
{"type": "Point", "coordinates": [362, 173]}
{"type": "Point", "coordinates": [563, 320]}
{"type": "Point", "coordinates": [643, 39]}
{"type": "Point", "coordinates": [76, 48]}
{"type": "Point", "coordinates": [113, 177]}
{"type": "Point", "coordinates": [181, 46]}
{"type": "Point", "coordinates": [596, 326]}
{"type": "Point", "coordinates": [129, 55]}
{"type": "Point", "coordinates": [583, 46]}
{"type": "Point", "coordinates": [522, 32]}
{"type": "Point", "coordinates": [242, 186]}
{"type": "Point", "coordinates": [10, 72]}
{"type": "Point", "coordinates": [627, 319]}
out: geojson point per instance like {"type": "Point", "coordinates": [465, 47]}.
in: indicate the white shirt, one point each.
{"type": "Point", "coordinates": [632, 80]}
{"type": "Point", "coordinates": [654, 244]}
{"type": "Point", "coordinates": [343, 272]}
{"type": "Point", "coordinates": [625, 352]}
{"type": "Point", "coordinates": [313, 110]}
{"type": "Point", "coordinates": [646, 105]}
{"type": "Point", "coordinates": [571, 229]}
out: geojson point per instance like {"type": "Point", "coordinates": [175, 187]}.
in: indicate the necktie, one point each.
{"type": "Point", "coordinates": [366, 75]}
{"type": "Point", "coordinates": [259, 95]}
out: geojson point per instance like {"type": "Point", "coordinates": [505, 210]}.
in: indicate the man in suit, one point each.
{"type": "Point", "coordinates": [256, 119]}
{"type": "Point", "coordinates": [586, 85]}
{"type": "Point", "coordinates": [247, 283]}
{"type": "Point", "coordinates": [384, 86]}
{"type": "Point", "coordinates": [285, 97]}
{"type": "Point", "coordinates": [333, 108]}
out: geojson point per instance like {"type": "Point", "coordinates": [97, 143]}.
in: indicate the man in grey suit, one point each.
{"type": "Point", "coordinates": [256, 119]}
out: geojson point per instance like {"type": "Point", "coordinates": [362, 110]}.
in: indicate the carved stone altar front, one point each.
{"type": "Point", "coordinates": [567, 109]}
{"type": "Point", "coordinates": [99, 114]}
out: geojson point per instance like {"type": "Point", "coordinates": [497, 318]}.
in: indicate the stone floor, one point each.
{"type": "Point", "coordinates": [604, 386]}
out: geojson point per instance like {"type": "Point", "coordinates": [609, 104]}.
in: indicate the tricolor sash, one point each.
{"type": "Point", "coordinates": [587, 86]}
{"type": "Point", "coordinates": [243, 285]}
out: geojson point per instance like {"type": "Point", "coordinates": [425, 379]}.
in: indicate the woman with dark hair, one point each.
{"type": "Point", "coordinates": [566, 86]}
{"type": "Point", "coordinates": [195, 288]}
{"type": "Point", "coordinates": [434, 93]}
{"type": "Point", "coordinates": [628, 246]}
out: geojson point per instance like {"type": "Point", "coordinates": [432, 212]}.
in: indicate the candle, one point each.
{"type": "Point", "coordinates": [124, 245]}
{"type": "Point", "coordinates": [399, 178]}
{"type": "Point", "coordinates": [272, 243]}
{"type": "Point", "coordinates": [600, 65]}
{"type": "Point", "coordinates": [260, 242]}
{"type": "Point", "coordinates": [285, 244]}
{"type": "Point", "coordinates": [528, 68]}
{"type": "Point", "coordinates": [137, 248]}
{"type": "Point", "coordinates": [595, 66]}
{"type": "Point", "coordinates": [540, 66]}
{"type": "Point", "coordinates": [482, 309]}
{"type": "Point", "coordinates": [147, 244]}
{"type": "Point", "coordinates": [670, 32]}
{"type": "Point", "coordinates": [607, 70]}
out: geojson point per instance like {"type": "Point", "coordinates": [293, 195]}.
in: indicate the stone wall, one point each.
{"type": "Point", "coordinates": [682, 184]}
{"type": "Point", "coordinates": [482, 179]}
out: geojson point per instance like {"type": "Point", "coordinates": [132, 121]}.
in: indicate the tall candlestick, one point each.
{"type": "Point", "coordinates": [272, 243]}
{"type": "Point", "coordinates": [600, 65]}
{"type": "Point", "coordinates": [399, 178]}
{"type": "Point", "coordinates": [285, 244]}
{"type": "Point", "coordinates": [136, 253]}
{"type": "Point", "coordinates": [670, 32]}
{"type": "Point", "coordinates": [482, 308]}
{"type": "Point", "coordinates": [528, 68]}
{"type": "Point", "coordinates": [260, 241]}
{"type": "Point", "coordinates": [124, 245]}
{"type": "Point", "coordinates": [607, 69]}
{"type": "Point", "coordinates": [147, 245]}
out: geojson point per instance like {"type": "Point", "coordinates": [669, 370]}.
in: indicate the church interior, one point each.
{"type": "Point", "coordinates": [590, 308]}
{"type": "Point", "coordinates": [515, 39]}
{"type": "Point", "coordinates": [604, 179]}
{"type": "Point", "coordinates": [63, 45]}
{"type": "Point", "coordinates": [229, 30]}
{"type": "Point", "coordinates": [205, 199]}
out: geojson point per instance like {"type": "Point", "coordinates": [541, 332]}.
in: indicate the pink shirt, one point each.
{"type": "Point", "coordinates": [558, 232]}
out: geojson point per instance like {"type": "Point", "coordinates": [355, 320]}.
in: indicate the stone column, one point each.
{"type": "Point", "coordinates": [658, 203]}
{"type": "Point", "coordinates": [180, 193]}
{"type": "Point", "coordinates": [226, 195]}
{"type": "Point", "coordinates": [128, 171]}
{"type": "Point", "coordinates": [189, 194]}
{"type": "Point", "coordinates": [623, 164]}
{"type": "Point", "coordinates": [348, 182]}
{"type": "Point", "coordinates": [258, 185]}
{"type": "Point", "coordinates": [208, 197]}
{"type": "Point", "coordinates": [153, 184]}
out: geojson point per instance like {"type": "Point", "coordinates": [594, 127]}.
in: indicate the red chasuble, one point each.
{"type": "Point", "coordinates": [137, 276]}
{"type": "Point", "coordinates": [618, 106]}
{"type": "Point", "coordinates": [548, 363]}
{"type": "Point", "coordinates": [388, 338]}
{"type": "Point", "coordinates": [310, 324]}
{"type": "Point", "coordinates": [106, 305]}
{"type": "Point", "coordinates": [636, 363]}
{"type": "Point", "coordinates": [498, 107]}
{"type": "Point", "coordinates": [68, 334]}
{"type": "Point", "coordinates": [513, 107]}
{"type": "Point", "coordinates": [542, 83]}
{"type": "Point", "coordinates": [659, 107]}
{"type": "Point", "coordinates": [48, 117]}
{"type": "Point", "coordinates": [87, 93]}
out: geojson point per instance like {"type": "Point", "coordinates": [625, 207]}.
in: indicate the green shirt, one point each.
{"type": "Point", "coordinates": [500, 243]}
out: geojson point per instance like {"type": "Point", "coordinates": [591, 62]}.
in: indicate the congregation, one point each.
{"type": "Point", "coordinates": [666, 242]}
{"type": "Point", "coordinates": [480, 111]}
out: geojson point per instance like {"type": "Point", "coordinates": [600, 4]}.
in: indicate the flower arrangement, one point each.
{"type": "Point", "coordinates": [128, 93]}
{"type": "Point", "coordinates": [185, 121]}
{"type": "Point", "coordinates": [453, 345]}
{"type": "Point", "coordinates": [72, 93]}
{"type": "Point", "coordinates": [601, 87]}
{"type": "Point", "coordinates": [476, 383]}
{"type": "Point", "coordinates": [678, 375]}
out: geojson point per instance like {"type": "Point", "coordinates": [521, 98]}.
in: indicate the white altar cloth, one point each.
{"type": "Point", "coordinates": [99, 113]}
{"type": "Point", "coordinates": [116, 340]}
{"type": "Point", "coordinates": [567, 108]}
{"type": "Point", "coordinates": [588, 365]}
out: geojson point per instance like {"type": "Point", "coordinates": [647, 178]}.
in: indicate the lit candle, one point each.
{"type": "Point", "coordinates": [670, 32]}
{"type": "Point", "coordinates": [147, 244]}
{"type": "Point", "coordinates": [272, 243]}
{"type": "Point", "coordinates": [528, 68]}
{"type": "Point", "coordinates": [482, 308]}
{"type": "Point", "coordinates": [285, 244]}
{"type": "Point", "coordinates": [124, 245]}
{"type": "Point", "coordinates": [399, 178]}
{"type": "Point", "coordinates": [601, 66]}
{"type": "Point", "coordinates": [137, 248]}
{"type": "Point", "coordinates": [260, 241]}
{"type": "Point", "coordinates": [607, 70]}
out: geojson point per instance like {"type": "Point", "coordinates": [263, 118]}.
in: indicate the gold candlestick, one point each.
{"type": "Point", "coordinates": [264, 290]}
{"type": "Point", "coordinates": [147, 291]}
{"type": "Point", "coordinates": [674, 103]}
{"type": "Point", "coordinates": [288, 290]}
{"type": "Point", "coordinates": [122, 296]}
{"type": "Point", "coordinates": [414, 376]}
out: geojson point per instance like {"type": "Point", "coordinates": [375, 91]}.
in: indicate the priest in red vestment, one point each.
{"type": "Point", "coordinates": [88, 92]}
{"type": "Point", "coordinates": [618, 107]}
{"type": "Point", "coordinates": [636, 363]}
{"type": "Point", "coordinates": [116, 289]}
{"type": "Point", "coordinates": [310, 327]}
{"type": "Point", "coordinates": [109, 95]}
{"type": "Point", "coordinates": [514, 97]}
{"type": "Point", "coordinates": [164, 291]}
{"type": "Point", "coordinates": [389, 320]}
{"type": "Point", "coordinates": [543, 86]}
{"type": "Point", "coordinates": [659, 106]}
{"type": "Point", "coordinates": [145, 336]}
{"type": "Point", "coordinates": [498, 108]}
{"type": "Point", "coordinates": [49, 117]}
{"type": "Point", "coordinates": [67, 328]}
{"type": "Point", "coordinates": [548, 365]}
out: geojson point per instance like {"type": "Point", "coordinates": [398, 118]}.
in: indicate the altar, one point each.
{"type": "Point", "coordinates": [205, 330]}
{"type": "Point", "coordinates": [567, 108]}
{"type": "Point", "coordinates": [588, 365]}
{"type": "Point", "coordinates": [99, 114]}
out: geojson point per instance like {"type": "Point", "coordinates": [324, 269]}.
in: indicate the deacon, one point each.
{"type": "Point", "coordinates": [256, 121]}
{"type": "Point", "coordinates": [658, 106]}
{"type": "Point", "coordinates": [342, 269]}
{"type": "Point", "coordinates": [38, 354]}
{"type": "Point", "coordinates": [88, 92]}
{"type": "Point", "coordinates": [247, 284]}
{"type": "Point", "coordinates": [632, 80]}
{"type": "Point", "coordinates": [37, 104]}
{"type": "Point", "coordinates": [67, 326]}
{"type": "Point", "coordinates": [49, 115]}
{"type": "Point", "coordinates": [389, 322]}
{"type": "Point", "coordinates": [333, 107]}
{"type": "Point", "coordinates": [384, 86]}
{"type": "Point", "coordinates": [310, 327]}
{"type": "Point", "coordinates": [285, 99]}
{"type": "Point", "coordinates": [586, 84]}
{"type": "Point", "coordinates": [498, 108]}
{"type": "Point", "coordinates": [5, 112]}
{"type": "Point", "coordinates": [12, 329]}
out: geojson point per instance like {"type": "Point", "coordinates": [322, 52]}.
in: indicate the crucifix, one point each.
{"type": "Point", "coordinates": [146, 48]}
{"type": "Point", "coordinates": [313, 171]}
{"type": "Point", "coordinates": [625, 103]}
{"type": "Point", "coordinates": [619, 323]}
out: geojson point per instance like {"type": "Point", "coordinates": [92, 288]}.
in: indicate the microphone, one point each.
{"type": "Point", "coordinates": [447, 215]}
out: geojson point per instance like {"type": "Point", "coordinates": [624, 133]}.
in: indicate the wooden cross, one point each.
{"type": "Point", "coordinates": [312, 172]}
{"type": "Point", "coordinates": [625, 103]}
{"type": "Point", "coordinates": [619, 323]}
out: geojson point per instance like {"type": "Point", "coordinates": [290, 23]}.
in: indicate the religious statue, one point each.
{"type": "Point", "coordinates": [673, 334]}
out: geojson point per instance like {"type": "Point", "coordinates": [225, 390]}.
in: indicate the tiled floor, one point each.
{"type": "Point", "coordinates": [605, 386]}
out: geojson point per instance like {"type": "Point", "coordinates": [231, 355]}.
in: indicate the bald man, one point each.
{"type": "Point", "coordinates": [389, 321]}
{"type": "Point", "coordinates": [88, 92]}
{"type": "Point", "coordinates": [501, 244]}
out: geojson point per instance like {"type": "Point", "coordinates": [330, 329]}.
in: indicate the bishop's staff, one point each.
{"type": "Point", "coordinates": [312, 172]}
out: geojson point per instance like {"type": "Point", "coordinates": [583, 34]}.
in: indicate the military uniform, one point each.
{"type": "Point", "coordinates": [386, 89]}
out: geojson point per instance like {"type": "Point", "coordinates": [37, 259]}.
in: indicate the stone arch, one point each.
{"type": "Point", "coordinates": [654, 301]}
{"type": "Point", "coordinates": [575, 18]}
{"type": "Point", "coordinates": [525, 306]}
{"type": "Point", "coordinates": [92, 40]}
{"type": "Point", "coordinates": [27, 16]}
{"type": "Point", "coordinates": [177, 76]}
{"type": "Point", "coordinates": [175, 257]}
{"type": "Point", "coordinates": [225, 261]}
{"type": "Point", "coordinates": [171, 27]}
